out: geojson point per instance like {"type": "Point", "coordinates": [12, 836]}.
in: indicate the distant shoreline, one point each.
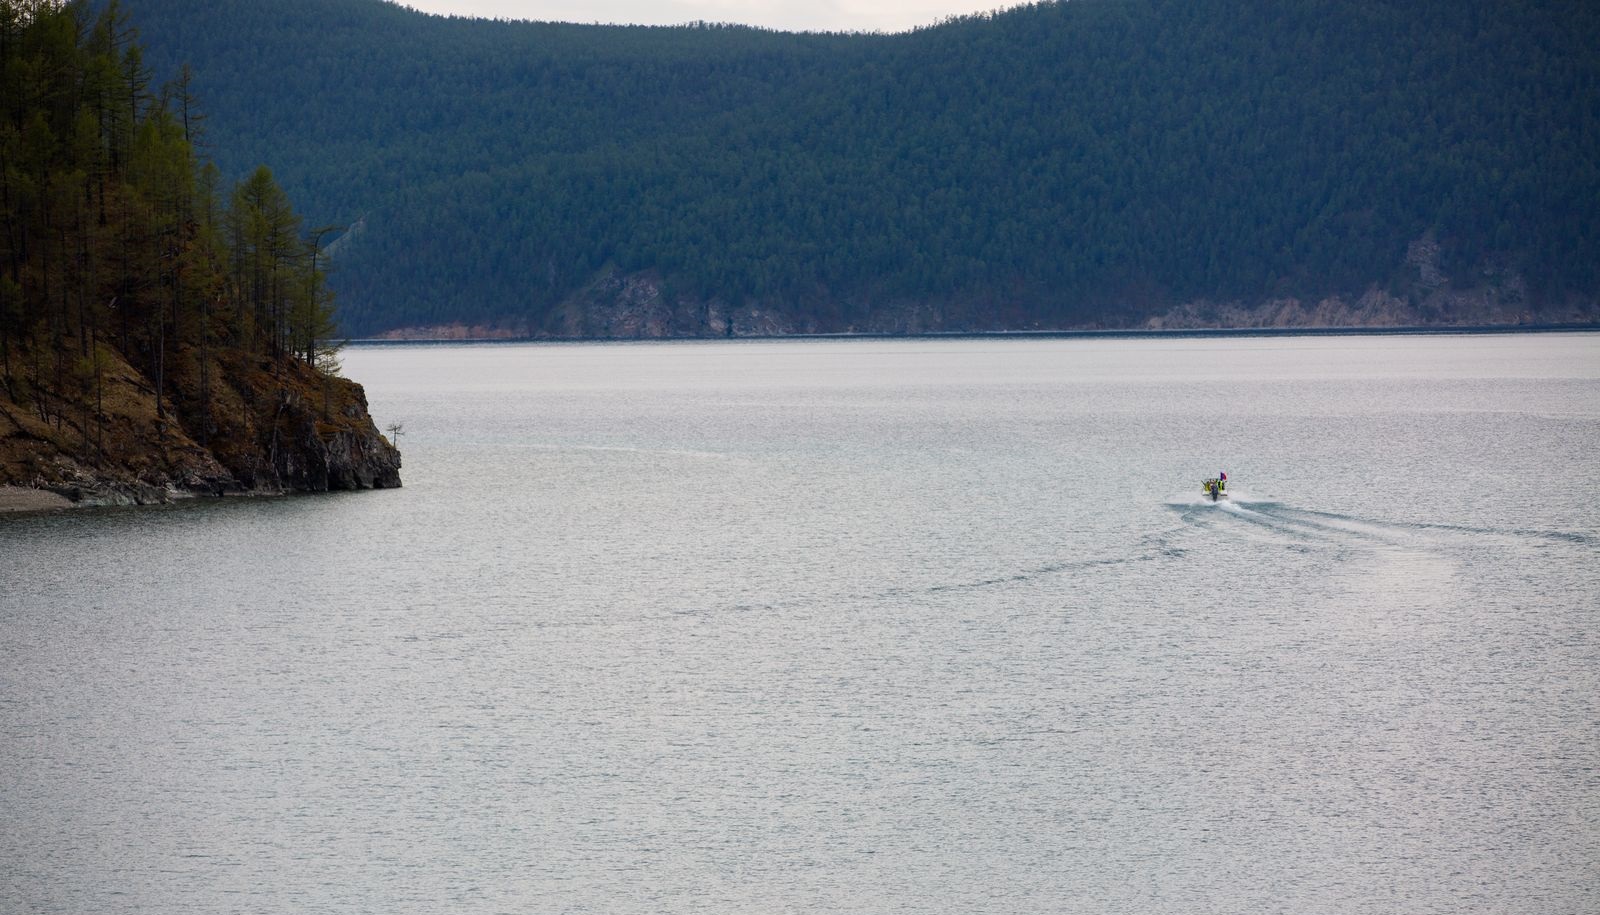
{"type": "Point", "coordinates": [1118, 333]}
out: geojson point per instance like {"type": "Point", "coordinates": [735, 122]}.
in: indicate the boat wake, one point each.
{"type": "Point", "coordinates": [1151, 550]}
{"type": "Point", "coordinates": [1269, 518]}
{"type": "Point", "coordinates": [1418, 552]}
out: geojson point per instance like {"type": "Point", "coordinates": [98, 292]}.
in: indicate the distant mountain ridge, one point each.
{"type": "Point", "coordinates": [1090, 163]}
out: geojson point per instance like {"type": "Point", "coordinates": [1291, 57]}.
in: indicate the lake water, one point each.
{"type": "Point", "coordinates": [922, 626]}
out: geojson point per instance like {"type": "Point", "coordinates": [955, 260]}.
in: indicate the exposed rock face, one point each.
{"type": "Point", "coordinates": [309, 454]}
{"type": "Point", "coordinates": [640, 306]}
{"type": "Point", "coordinates": [458, 331]}
{"type": "Point", "coordinates": [1423, 256]}
{"type": "Point", "coordinates": [634, 306]}
{"type": "Point", "coordinates": [284, 427]}
{"type": "Point", "coordinates": [1427, 297]}
{"type": "Point", "coordinates": [637, 306]}
{"type": "Point", "coordinates": [261, 427]}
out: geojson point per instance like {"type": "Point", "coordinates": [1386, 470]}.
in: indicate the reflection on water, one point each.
{"type": "Point", "coordinates": [919, 626]}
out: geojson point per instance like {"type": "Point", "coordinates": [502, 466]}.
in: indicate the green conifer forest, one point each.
{"type": "Point", "coordinates": [159, 324]}
{"type": "Point", "coordinates": [1058, 164]}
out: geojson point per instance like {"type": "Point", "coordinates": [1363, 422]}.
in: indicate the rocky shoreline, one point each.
{"type": "Point", "coordinates": [97, 494]}
{"type": "Point", "coordinates": [639, 306]}
{"type": "Point", "coordinates": [263, 427]}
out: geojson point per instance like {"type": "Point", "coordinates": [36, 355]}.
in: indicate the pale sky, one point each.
{"type": "Point", "coordinates": [793, 15]}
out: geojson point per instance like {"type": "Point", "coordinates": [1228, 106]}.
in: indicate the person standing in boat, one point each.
{"type": "Point", "coordinates": [1222, 482]}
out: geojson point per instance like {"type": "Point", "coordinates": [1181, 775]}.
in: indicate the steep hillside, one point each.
{"type": "Point", "coordinates": [1088, 162]}
{"type": "Point", "coordinates": [154, 337]}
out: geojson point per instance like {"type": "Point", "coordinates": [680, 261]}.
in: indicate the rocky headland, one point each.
{"type": "Point", "coordinates": [247, 425]}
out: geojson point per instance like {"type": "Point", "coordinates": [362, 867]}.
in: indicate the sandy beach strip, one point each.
{"type": "Point", "coordinates": [22, 499]}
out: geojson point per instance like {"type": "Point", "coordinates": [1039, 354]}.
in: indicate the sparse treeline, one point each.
{"type": "Point", "coordinates": [118, 240]}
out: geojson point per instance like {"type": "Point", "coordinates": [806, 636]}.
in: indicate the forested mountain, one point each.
{"type": "Point", "coordinates": [1074, 163]}
{"type": "Point", "coordinates": [156, 332]}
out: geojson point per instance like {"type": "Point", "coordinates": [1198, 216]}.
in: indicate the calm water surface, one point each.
{"type": "Point", "coordinates": [846, 626]}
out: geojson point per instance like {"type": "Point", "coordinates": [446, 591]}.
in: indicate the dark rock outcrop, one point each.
{"type": "Point", "coordinates": [635, 306]}
{"type": "Point", "coordinates": [246, 426]}
{"type": "Point", "coordinates": [312, 456]}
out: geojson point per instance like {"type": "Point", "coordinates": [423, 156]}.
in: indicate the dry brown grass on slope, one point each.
{"type": "Point", "coordinates": [111, 431]}
{"type": "Point", "coordinates": [239, 423]}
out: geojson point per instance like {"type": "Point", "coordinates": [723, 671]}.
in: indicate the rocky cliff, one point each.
{"type": "Point", "coordinates": [238, 424]}
{"type": "Point", "coordinates": [1421, 294]}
